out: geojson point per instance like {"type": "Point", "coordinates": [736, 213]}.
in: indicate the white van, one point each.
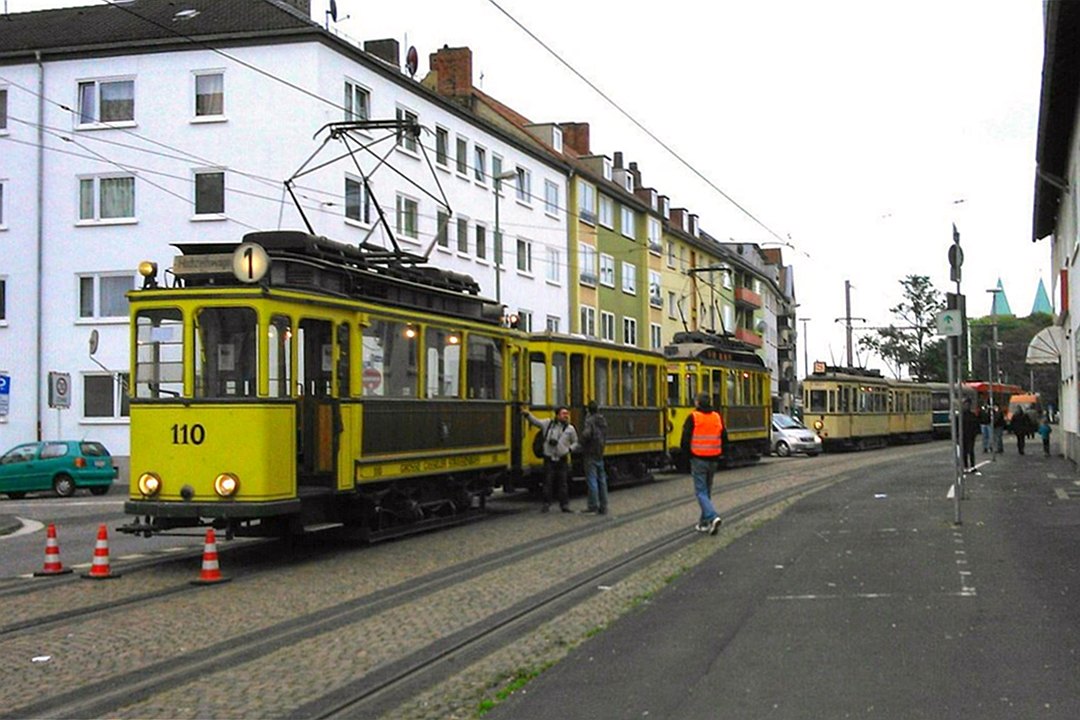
{"type": "Point", "coordinates": [791, 436]}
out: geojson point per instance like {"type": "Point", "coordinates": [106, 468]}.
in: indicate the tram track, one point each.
{"type": "Point", "coordinates": [388, 684]}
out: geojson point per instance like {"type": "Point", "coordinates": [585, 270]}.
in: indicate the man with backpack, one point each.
{"type": "Point", "coordinates": [593, 441]}
{"type": "Point", "coordinates": [560, 437]}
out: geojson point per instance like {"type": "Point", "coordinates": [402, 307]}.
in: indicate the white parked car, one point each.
{"type": "Point", "coordinates": [791, 436]}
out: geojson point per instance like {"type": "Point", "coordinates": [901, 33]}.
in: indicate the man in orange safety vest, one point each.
{"type": "Point", "coordinates": [703, 440]}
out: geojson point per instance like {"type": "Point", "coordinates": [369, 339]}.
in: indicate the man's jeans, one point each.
{"type": "Point", "coordinates": [986, 438]}
{"type": "Point", "coordinates": [702, 472]}
{"type": "Point", "coordinates": [596, 480]}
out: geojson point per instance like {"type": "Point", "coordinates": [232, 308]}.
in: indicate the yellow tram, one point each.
{"type": "Point", "coordinates": [294, 381]}
{"type": "Point", "coordinates": [737, 381]}
{"type": "Point", "coordinates": [625, 383]}
{"type": "Point", "coordinates": [856, 408]}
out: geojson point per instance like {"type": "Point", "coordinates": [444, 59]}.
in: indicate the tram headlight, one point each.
{"type": "Point", "coordinates": [226, 484]}
{"type": "Point", "coordinates": [149, 484]}
{"type": "Point", "coordinates": [818, 425]}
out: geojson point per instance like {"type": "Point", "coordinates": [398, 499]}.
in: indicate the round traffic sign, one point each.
{"type": "Point", "coordinates": [371, 378]}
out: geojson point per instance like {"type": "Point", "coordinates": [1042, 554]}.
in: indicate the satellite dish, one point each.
{"type": "Point", "coordinates": [333, 10]}
{"type": "Point", "coordinates": [411, 61]}
{"type": "Point", "coordinates": [93, 341]}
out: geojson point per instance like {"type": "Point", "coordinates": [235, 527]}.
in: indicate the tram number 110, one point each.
{"type": "Point", "coordinates": [185, 435]}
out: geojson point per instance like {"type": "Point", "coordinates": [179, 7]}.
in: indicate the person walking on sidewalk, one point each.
{"type": "Point", "coordinates": [966, 433]}
{"type": "Point", "coordinates": [593, 441]}
{"type": "Point", "coordinates": [559, 437]}
{"type": "Point", "coordinates": [999, 429]}
{"type": "Point", "coordinates": [985, 425]}
{"type": "Point", "coordinates": [703, 439]}
{"type": "Point", "coordinates": [1021, 427]}
{"type": "Point", "coordinates": [1044, 433]}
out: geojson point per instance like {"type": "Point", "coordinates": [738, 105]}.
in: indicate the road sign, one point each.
{"type": "Point", "coordinates": [956, 261]}
{"type": "Point", "coordinates": [59, 390]}
{"type": "Point", "coordinates": [371, 378]}
{"type": "Point", "coordinates": [949, 323]}
{"type": "Point", "coordinates": [5, 394]}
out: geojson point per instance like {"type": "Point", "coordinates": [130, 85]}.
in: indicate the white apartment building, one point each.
{"type": "Point", "coordinates": [127, 128]}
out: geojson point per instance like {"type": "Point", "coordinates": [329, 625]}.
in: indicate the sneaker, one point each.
{"type": "Point", "coordinates": [714, 525]}
{"type": "Point", "coordinates": [602, 511]}
{"type": "Point", "coordinates": [701, 527]}
{"type": "Point", "coordinates": [588, 511]}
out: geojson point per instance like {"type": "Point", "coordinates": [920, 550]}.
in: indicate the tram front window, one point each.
{"type": "Point", "coordinates": [817, 401]}
{"type": "Point", "coordinates": [225, 352]}
{"type": "Point", "coordinates": [159, 353]}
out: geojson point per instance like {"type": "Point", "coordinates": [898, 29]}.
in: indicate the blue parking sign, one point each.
{"type": "Point", "coordinates": [5, 393]}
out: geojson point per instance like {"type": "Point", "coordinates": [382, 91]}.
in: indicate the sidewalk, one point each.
{"type": "Point", "coordinates": [863, 600]}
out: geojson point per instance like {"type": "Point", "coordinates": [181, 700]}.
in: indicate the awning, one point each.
{"type": "Point", "coordinates": [1045, 348]}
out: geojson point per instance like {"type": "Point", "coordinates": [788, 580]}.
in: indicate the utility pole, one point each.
{"type": "Point", "coordinates": [805, 354]}
{"type": "Point", "coordinates": [847, 322]}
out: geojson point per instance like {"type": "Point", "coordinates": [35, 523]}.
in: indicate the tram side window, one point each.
{"type": "Point", "coordinates": [484, 368]}
{"type": "Point", "coordinates": [817, 401]}
{"type": "Point", "coordinates": [343, 360]}
{"type": "Point", "coordinates": [717, 388]}
{"type": "Point", "coordinates": [673, 389]}
{"type": "Point", "coordinates": [691, 388]}
{"type": "Point", "coordinates": [650, 386]}
{"type": "Point", "coordinates": [443, 365]}
{"type": "Point", "coordinates": [602, 381]}
{"type": "Point", "coordinates": [225, 352]}
{"type": "Point", "coordinates": [558, 378]}
{"type": "Point", "coordinates": [537, 379]}
{"type": "Point", "coordinates": [577, 380]}
{"type": "Point", "coordinates": [843, 400]}
{"type": "Point", "coordinates": [315, 359]}
{"type": "Point", "coordinates": [627, 384]}
{"type": "Point", "coordinates": [159, 353]}
{"type": "Point", "coordinates": [280, 356]}
{"type": "Point", "coordinates": [731, 394]}
{"type": "Point", "coordinates": [389, 359]}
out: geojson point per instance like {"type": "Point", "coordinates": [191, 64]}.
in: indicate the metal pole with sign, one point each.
{"type": "Point", "coordinates": [949, 325]}
{"type": "Point", "coordinates": [5, 394]}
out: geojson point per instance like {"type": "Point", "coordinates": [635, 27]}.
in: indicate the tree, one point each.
{"type": "Point", "coordinates": [908, 343]}
{"type": "Point", "coordinates": [1014, 334]}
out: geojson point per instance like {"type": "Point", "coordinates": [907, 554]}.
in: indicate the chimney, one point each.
{"type": "Point", "coordinates": [453, 68]}
{"type": "Point", "coordinates": [386, 50]}
{"type": "Point", "coordinates": [618, 159]}
{"type": "Point", "coordinates": [576, 137]}
{"type": "Point", "coordinates": [636, 173]}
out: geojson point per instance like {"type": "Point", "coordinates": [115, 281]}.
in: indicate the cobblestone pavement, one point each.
{"type": "Point", "coordinates": [278, 683]}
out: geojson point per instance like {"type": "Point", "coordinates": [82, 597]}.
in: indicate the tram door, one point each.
{"type": "Point", "coordinates": [318, 411]}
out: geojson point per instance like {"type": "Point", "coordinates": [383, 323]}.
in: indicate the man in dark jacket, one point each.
{"type": "Point", "coordinates": [966, 433]}
{"type": "Point", "coordinates": [703, 439]}
{"type": "Point", "coordinates": [593, 441]}
{"type": "Point", "coordinates": [1021, 427]}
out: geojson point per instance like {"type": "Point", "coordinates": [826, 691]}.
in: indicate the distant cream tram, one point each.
{"type": "Point", "coordinates": [856, 408]}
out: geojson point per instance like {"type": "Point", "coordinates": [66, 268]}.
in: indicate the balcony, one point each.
{"type": "Point", "coordinates": [748, 336]}
{"type": "Point", "coordinates": [746, 296]}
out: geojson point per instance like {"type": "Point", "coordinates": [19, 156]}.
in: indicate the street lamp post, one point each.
{"type": "Point", "coordinates": [991, 352]}
{"type": "Point", "coordinates": [510, 175]}
{"type": "Point", "coordinates": [805, 355]}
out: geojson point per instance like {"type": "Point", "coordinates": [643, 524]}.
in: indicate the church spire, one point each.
{"type": "Point", "coordinates": [1000, 306]}
{"type": "Point", "coordinates": [1042, 301]}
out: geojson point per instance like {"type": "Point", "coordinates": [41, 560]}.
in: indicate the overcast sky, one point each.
{"type": "Point", "coordinates": [860, 129]}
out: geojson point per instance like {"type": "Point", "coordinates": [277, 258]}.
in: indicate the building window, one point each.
{"type": "Point", "coordinates": [442, 228]}
{"type": "Point", "coordinates": [104, 395]}
{"type": "Point", "coordinates": [607, 326]}
{"type": "Point", "coordinates": [3, 299]}
{"type": "Point", "coordinates": [463, 235]}
{"type": "Point", "coordinates": [552, 324]}
{"type": "Point", "coordinates": [607, 212]}
{"type": "Point", "coordinates": [551, 198]}
{"type": "Point", "coordinates": [629, 222]}
{"type": "Point", "coordinates": [358, 102]}
{"type": "Point", "coordinates": [479, 164]}
{"type": "Point", "coordinates": [607, 271]}
{"type": "Point", "coordinates": [629, 331]}
{"type": "Point", "coordinates": [556, 139]}
{"type": "Point", "coordinates": [671, 253]}
{"type": "Point", "coordinates": [104, 296]}
{"type": "Point", "coordinates": [408, 130]}
{"type": "Point", "coordinates": [525, 320]}
{"type": "Point", "coordinates": [656, 338]}
{"type": "Point", "coordinates": [481, 242]}
{"type": "Point", "coordinates": [106, 101]}
{"type": "Point", "coordinates": [672, 305]}
{"type": "Point", "coordinates": [106, 198]}
{"type": "Point", "coordinates": [408, 211]}
{"type": "Point", "coordinates": [462, 156]}
{"type": "Point", "coordinates": [586, 202]}
{"type": "Point", "coordinates": [607, 169]}
{"type": "Point", "coordinates": [209, 193]}
{"type": "Point", "coordinates": [357, 201]}
{"type": "Point", "coordinates": [209, 94]}
{"type": "Point", "coordinates": [3, 109]}
{"type": "Point", "coordinates": [554, 265]}
{"type": "Point", "coordinates": [524, 255]}
{"type": "Point", "coordinates": [588, 321]}
{"type": "Point", "coordinates": [442, 146]}
{"type": "Point", "coordinates": [655, 244]}
{"type": "Point", "coordinates": [587, 269]}
{"type": "Point", "coordinates": [629, 278]}
{"type": "Point", "coordinates": [524, 185]}
{"type": "Point", "coordinates": [3, 216]}
{"type": "Point", "coordinates": [655, 298]}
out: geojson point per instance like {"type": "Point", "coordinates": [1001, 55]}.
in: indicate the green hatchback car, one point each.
{"type": "Point", "coordinates": [58, 465]}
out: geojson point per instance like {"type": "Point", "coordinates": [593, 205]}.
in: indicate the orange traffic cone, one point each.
{"type": "Point", "coordinates": [53, 566]}
{"type": "Point", "coordinates": [99, 569]}
{"type": "Point", "coordinates": [210, 573]}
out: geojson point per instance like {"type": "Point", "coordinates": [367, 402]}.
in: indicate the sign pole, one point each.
{"type": "Point", "coordinates": [953, 416]}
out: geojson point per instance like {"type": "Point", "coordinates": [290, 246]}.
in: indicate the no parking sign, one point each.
{"type": "Point", "coordinates": [5, 393]}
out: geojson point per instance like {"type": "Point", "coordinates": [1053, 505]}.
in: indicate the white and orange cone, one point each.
{"type": "Point", "coordinates": [100, 569]}
{"type": "Point", "coordinates": [52, 566]}
{"type": "Point", "coordinates": [211, 572]}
